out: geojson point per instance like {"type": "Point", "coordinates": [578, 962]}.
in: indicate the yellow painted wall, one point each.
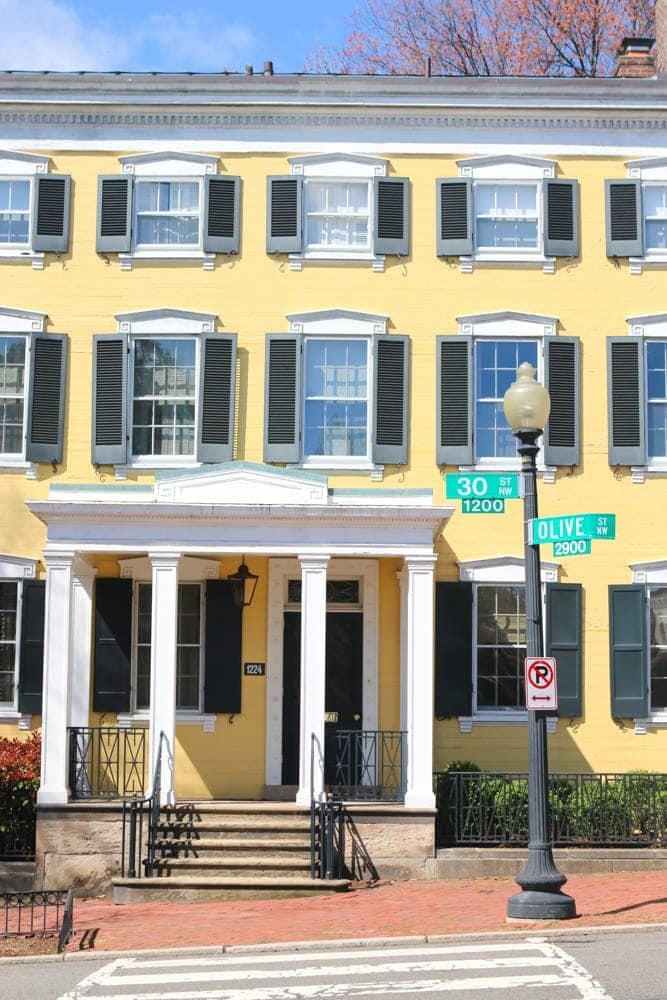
{"type": "Point", "coordinates": [422, 295]}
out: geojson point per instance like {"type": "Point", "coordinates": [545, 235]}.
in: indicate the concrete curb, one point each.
{"type": "Point", "coordinates": [532, 931]}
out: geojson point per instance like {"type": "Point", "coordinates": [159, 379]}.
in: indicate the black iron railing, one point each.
{"type": "Point", "coordinates": [141, 817]}
{"type": "Point", "coordinates": [41, 914]}
{"type": "Point", "coordinates": [17, 834]}
{"type": "Point", "coordinates": [369, 765]}
{"type": "Point", "coordinates": [107, 762]}
{"type": "Point", "coordinates": [490, 808]}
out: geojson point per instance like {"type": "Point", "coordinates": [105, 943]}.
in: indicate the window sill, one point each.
{"type": "Point", "coordinates": [23, 257]}
{"type": "Point", "coordinates": [10, 715]}
{"type": "Point", "coordinates": [121, 471]}
{"type": "Point", "coordinates": [376, 472]}
{"type": "Point", "coordinates": [128, 260]}
{"type": "Point", "coordinates": [29, 468]}
{"type": "Point", "coordinates": [297, 260]}
{"type": "Point", "coordinates": [546, 472]}
{"type": "Point", "coordinates": [642, 472]}
{"type": "Point", "coordinates": [637, 264]}
{"type": "Point", "coordinates": [468, 264]}
{"type": "Point", "coordinates": [126, 720]}
{"type": "Point", "coordinates": [466, 722]}
{"type": "Point", "coordinates": [657, 720]}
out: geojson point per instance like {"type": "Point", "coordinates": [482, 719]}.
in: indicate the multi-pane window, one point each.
{"type": "Point", "coordinates": [656, 398]}
{"type": "Point", "coordinates": [658, 648]}
{"type": "Point", "coordinates": [167, 213]}
{"type": "Point", "coordinates": [337, 215]}
{"type": "Point", "coordinates": [14, 212]}
{"type": "Point", "coordinates": [496, 363]}
{"type": "Point", "coordinates": [188, 646]}
{"type": "Point", "coordinates": [164, 396]}
{"type": "Point", "coordinates": [506, 216]}
{"type": "Point", "coordinates": [501, 647]}
{"type": "Point", "coordinates": [655, 216]}
{"type": "Point", "coordinates": [12, 394]}
{"type": "Point", "coordinates": [336, 397]}
{"type": "Point", "coordinates": [8, 623]}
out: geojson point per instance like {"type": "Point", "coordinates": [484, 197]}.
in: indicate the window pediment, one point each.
{"type": "Point", "coordinates": [168, 164]}
{"type": "Point", "coordinates": [14, 162]}
{"type": "Point", "coordinates": [159, 321]}
{"type": "Point", "coordinates": [508, 323]}
{"type": "Point", "coordinates": [21, 321]}
{"type": "Point", "coordinates": [338, 321]}
{"type": "Point", "coordinates": [338, 165]}
{"type": "Point", "coordinates": [654, 325]}
{"type": "Point", "coordinates": [504, 569]}
{"type": "Point", "coordinates": [509, 166]}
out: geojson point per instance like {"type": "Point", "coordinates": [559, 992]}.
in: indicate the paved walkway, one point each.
{"type": "Point", "coordinates": [453, 906]}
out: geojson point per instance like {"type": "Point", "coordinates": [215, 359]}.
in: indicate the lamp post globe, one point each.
{"type": "Point", "coordinates": [527, 406]}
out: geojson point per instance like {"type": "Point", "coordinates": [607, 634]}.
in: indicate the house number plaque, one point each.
{"type": "Point", "coordinates": [254, 669]}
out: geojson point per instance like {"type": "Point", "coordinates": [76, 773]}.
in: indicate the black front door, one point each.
{"type": "Point", "coordinates": [343, 698]}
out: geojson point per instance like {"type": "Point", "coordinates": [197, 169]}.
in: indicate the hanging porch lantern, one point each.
{"type": "Point", "coordinates": [243, 585]}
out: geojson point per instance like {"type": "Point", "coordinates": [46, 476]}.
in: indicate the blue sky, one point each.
{"type": "Point", "coordinates": [169, 35]}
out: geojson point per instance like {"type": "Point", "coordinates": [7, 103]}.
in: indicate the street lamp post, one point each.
{"type": "Point", "coordinates": [527, 406]}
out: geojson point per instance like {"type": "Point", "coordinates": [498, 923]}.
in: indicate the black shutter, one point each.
{"type": "Point", "coordinates": [623, 213]}
{"type": "Point", "coordinates": [31, 653]}
{"type": "Point", "coordinates": [561, 436]}
{"type": "Point", "coordinates": [391, 216]}
{"type": "Point", "coordinates": [454, 404]}
{"type": "Point", "coordinates": [390, 445]}
{"type": "Point", "coordinates": [453, 649]}
{"type": "Point", "coordinates": [625, 401]}
{"type": "Point", "coordinates": [221, 214]}
{"type": "Point", "coordinates": [454, 218]}
{"type": "Point", "coordinates": [50, 226]}
{"type": "Point", "coordinates": [218, 382]}
{"type": "Point", "coordinates": [109, 390]}
{"type": "Point", "coordinates": [222, 678]}
{"type": "Point", "coordinates": [113, 645]}
{"type": "Point", "coordinates": [114, 214]}
{"type": "Point", "coordinates": [564, 638]}
{"type": "Point", "coordinates": [628, 653]}
{"type": "Point", "coordinates": [46, 411]}
{"type": "Point", "coordinates": [282, 398]}
{"type": "Point", "coordinates": [284, 209]}
{"type": "Point", "coordinates": [561, 218]}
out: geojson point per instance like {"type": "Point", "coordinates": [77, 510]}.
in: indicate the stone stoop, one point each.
{"type": "Point", "coordinates": [499, 862]}
{"type": "Point", "coordinates": [225, 850]}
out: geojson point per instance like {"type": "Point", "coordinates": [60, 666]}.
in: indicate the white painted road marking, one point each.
{"type": "Point", "coordinates": [346, 973]}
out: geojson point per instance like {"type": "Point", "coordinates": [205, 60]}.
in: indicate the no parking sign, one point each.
{"type": "Point", "coordinates": [541, 692]}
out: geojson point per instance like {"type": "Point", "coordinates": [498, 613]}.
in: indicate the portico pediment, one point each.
{"type": "Point", "coordinates": [240, 483]}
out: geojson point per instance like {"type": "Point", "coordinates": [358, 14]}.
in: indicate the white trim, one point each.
{"type": "Point", "coordinates": [158, 322]}
{"type": "Point", "coordinates": [127, 720]}
{"type": "Point", "coordinates": [516, 717]}
{"type": "Point", "coordinates": [503, 166]}
{"type": "Point", "coordinates": [504, 569]}
{"type": "Point", "coordinates": [17, 567]}
{"type": "Point", "coordinates": [338, 165]}
{"type": "Point", "coordinates": [338, 322]}
{"type": "Point", "coordinates": [21, 320]}
{"type": "Point", "coordinates": [19, 719]}
{"type": "Point", "coordinates": [190, 570]}
{"type": "Point", "coordinates": [168, 163]}
{"type": "Point", "coordinates": [280, 571]}
{"type": "Point", "coordinates": [508, 323]}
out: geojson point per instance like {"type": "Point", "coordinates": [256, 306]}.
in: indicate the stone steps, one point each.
{"type": "Point", "coordinates": [199, 889]}
{"type": "Point", "coordinates": [259, 866]}
{"type": "Point", "coordinates": [231, 846]}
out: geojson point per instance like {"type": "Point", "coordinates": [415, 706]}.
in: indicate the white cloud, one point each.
{"type": "Point", "coordinates": [50, 35]}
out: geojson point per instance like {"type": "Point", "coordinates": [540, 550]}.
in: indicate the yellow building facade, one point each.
{"type": "Point", "coordinates": [365, 225]}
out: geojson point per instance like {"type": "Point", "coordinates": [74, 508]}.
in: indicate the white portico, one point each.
{"type": "Point", "coordinates": [193, 518]}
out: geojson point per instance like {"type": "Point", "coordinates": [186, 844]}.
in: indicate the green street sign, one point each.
{"type": "Point", "coordinates": [575, 547]}
{"type": "Point", "coordinates": [482, 505]}
{"type": "Point", "coordinates": [572, 527]}
{"type": "Point", "coordinates": [482, 485]}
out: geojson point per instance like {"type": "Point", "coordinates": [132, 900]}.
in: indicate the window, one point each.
{"type": "Point", "coordinates": [8, 642]}
{"type": "Point", "coordinates": [341, 207]}
{"type": "Point", "coordinates": [34, 208]}
{"type": "Point", "coordinates": [480, 642]}
{"type": "Point", "coordinates": [509, 208]}
{"type": "Point", "coordinates": [188, 642]}
{"type": "Point", "coordinates": [655, 217]}
{"type": "Point", "coordinates": [21, 639]}
{"type": "Point", "coordinates": [658, 649]}
{"type": "Point", "coordinates": [636, 214]}
{"type": "Point", "coordinates": [168, 205]}
{"type": "Point", "coordinates": [475, 368]}
{"type": "Point", "coordinates": [14, 212]}
{"type": "Point", "coordinates": [336, 392]}
{"type": "Point", "coordinates": [163, 391]}
{"type": "Point", "coordinates": [12, 394]}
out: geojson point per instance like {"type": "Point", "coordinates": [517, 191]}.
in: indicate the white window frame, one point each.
{"type": "Point", "coordinates": [191, 570]}
{"type": "Point", "coordinates": [16, 166]}
{"type": "Point", "coordinates": [512, 326]}
{"type": "Point", "coordinates": [651, 171]}
{"type": "Point", "coordinates": [341, 324]}
{"type": "Point", "coordinates": [650, 574]}
{"type": "Point", "coordinates": [511, 170]}
{"type": "Point", "coordinates": [16, 569]}
{"type": "Point", "coordinates": [21, 323]}
{"type": "Point", "coordinates": [652, 327]}
{"type": "Point", "coordinates": [168, 166]}
{"type": "Point", "coordinates": [500, 571]}
{"type": "Point", "coordinates": [164, 324]}
{"type": "Point", "coordinates": [344, 168]}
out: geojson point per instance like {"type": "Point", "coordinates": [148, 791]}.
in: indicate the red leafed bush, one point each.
{"type": "Point", "coordinates": [19, 775]}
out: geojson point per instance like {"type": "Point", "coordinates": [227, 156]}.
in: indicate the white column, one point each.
{"type": "Point", "coordinates": [81, 643]}
{"type": "Point", "coordinates": [313, 677]}
{"type": "Point", "coordinates": [163, 667]}
{"type": "Point", "coordinates": [55, 705]}
{"type": "Point", "coordinates": [417, 619]}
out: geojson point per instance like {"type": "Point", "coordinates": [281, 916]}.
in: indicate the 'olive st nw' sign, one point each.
{"type": "Point", "coordinates": [572, 527]}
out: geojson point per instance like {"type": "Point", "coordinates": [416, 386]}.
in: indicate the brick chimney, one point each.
{"type": "Point", "coordinates": [635, 57]}
{"type": "Point", "coordinates": [661, 36]}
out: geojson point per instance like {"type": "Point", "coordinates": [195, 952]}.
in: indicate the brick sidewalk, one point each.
{"type": "Point", "coordinates": [456, 906]}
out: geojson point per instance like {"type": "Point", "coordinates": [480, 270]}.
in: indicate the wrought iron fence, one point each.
{"type": "Point", "coordinates": [141, 818]}
{"type": "Point", "coordinates": [39, 913]}
{"type": "Point", "coordinates": [369, 765]}
{"type": "Point", "coordinates": [107, 762]}
{"type": "Point", "coordinates": [490, 808]}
